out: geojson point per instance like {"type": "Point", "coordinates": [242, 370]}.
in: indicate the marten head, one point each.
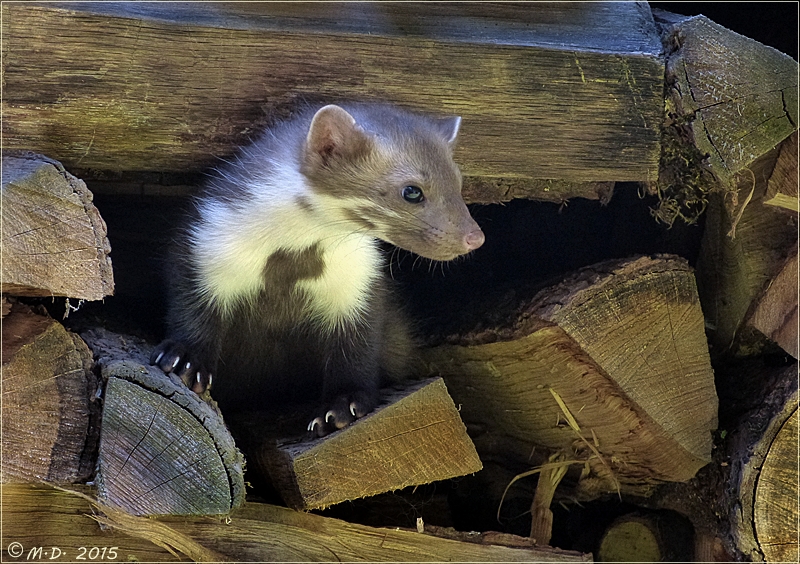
{"type": "Point", "coordinates": [391, 173]}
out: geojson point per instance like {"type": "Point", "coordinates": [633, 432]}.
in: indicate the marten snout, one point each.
{"type": "Point", "coordinates": [474, 239]}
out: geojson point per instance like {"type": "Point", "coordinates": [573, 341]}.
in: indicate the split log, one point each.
{"type": "Point", "coordinates": [50, 416]}
{"type": "Point", "coordinates": [647, 537]}
{"type": "Point", "coordinates": [738, 96]}
{"type": "Point", "coordinates": [38, 516]}
{"type": "Point", "coordinates": [764, 456]}
{"type": "Point", "coordinates": [414, 437]}
{"type": "Point", "coordinates": [783, 184]}
{"type": "Point", "coordinates": [610, 368]}
{"type": "Point", "coordinates": [774, 314]}
{"type": "Point", "coordinates": [744, 249]}
{"type": "Point", "coordinates": [163, 450]}
{"type": "Point", "coordinates": [117, 87]}
{"type": "Point", "coordinates": [53, 239]}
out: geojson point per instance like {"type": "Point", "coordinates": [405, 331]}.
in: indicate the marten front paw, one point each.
{"type": "Point", "coordinates": [174, 357]}
{"type": "Point", "coordinates": [344, 410]}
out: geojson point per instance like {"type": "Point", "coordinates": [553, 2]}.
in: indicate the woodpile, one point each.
{"type": "Point", "coordinates": [664, 378]}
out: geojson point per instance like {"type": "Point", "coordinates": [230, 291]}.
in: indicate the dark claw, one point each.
{"type": "Point", "coordinates": [343, 412]}
{"type": "Point", "coordinates": [173, 358]}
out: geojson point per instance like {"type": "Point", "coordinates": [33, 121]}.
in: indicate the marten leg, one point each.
{"type": "Point", "coordinates": [352, 377]}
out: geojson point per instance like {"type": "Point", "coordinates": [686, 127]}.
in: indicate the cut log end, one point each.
{"type": "Point", "coordinates": [54, 240]}
{"type": "Point", "coordinates": [49, 412]}
{"type": "Point", "coordinates": [163, 450]}
{"type": "Point", "coordinates": [610, 366]}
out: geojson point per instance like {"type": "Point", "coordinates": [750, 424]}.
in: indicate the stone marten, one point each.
{"type": "Point", "coordinates": [277, 285]}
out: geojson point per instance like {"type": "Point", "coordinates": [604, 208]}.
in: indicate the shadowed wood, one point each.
{"type": "Point", "coordinates": [415, 437]}
{"type": "Point", "coordinates": [163, 450]}
{"type": "Point", "coordinates": [739, 95]}
{"type": "Point", "coordinates": [569, 91]}
{"type": "Point", "coordinates": [647, 537]}
{"type": "Point", "coordinates": [775, 312]}
{"type": "Point", "coordinates": [38, 516]}
{"type": "Point", "coordinates": [775, 511]}
{"type": "Point", "coordinates": [736, 267]}
{"type": "Point", "coordinates": [783, 184]}
{"type": "Point", "coordinates": [763, 491]}
{"type": "Point", "coordinates": [53, 238]}
{"type": "Point", "coordinates": [622, 345]}
{"type": "Point", "coordinates": [48, 409]}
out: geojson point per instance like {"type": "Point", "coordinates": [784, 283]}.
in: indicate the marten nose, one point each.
{"type": "Point", "coordinates": [474, 239]}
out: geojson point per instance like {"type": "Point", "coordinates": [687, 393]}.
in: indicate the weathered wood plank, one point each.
{"type": "Point", "coordinates": [40, 516]}
{"type": "Point", "coordinates": [416, 437]}
{"type": "Point", "coordinates": [163, 450]}
{"type": "Point", "coordinates": [50, 415]}
{"type": "Point", "coordinates": [53, 239]}
{"type": "Point", "coordinates": [568, 91]}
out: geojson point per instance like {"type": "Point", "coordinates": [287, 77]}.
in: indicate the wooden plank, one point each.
{"type": "Point", "coordinates": [622, 345]}
{"type": "Point", "coordinates": [53, 239]}
{"type": "Point", "coordinates": [50, 414]}
{"type": "Point", "coordinates": [739, 96]}
{"type": "Point", "coordinates": [568, 91]}
{"type": "Point", "coordinates": [163, 450]}
{"type": "Point", "coordinates": [415, 437]}
{"type": "Point", "coordinates": [41, 516]}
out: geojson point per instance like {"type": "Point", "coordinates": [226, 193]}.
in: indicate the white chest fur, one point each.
{"type": "Point", "coordinates": [232, 244]}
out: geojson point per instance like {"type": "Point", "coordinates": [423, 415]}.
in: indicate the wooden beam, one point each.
{"type": "Point", "coordinates": [53, 239]}
{"type": "Point", "coordinates": [41, 516]}
{"type": "Point", "coordinates": [566, 91]}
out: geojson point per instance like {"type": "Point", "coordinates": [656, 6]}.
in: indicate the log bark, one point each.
{"type": "Point", "coordinates": [38, 516]}
{"type": "Point", "coordinates": [618, 347]}
{"type": "Point", "coordinates": [415, 437]}
{"type": "Point", "coordinates": [744, 249]}
{"type": "Point", "coordinates": [738, 96]}
{"type": "Point", "coordinates": [50, 414]}
{"type": "Point", "coordinates": [53, 238]}
{"type": "Point", "coordinates": [163, 450]}
{"type": "Point", "coordinates": [171, 88]}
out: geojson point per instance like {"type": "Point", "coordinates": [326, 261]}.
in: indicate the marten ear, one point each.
{"type": "Point", "coordinates": [334, 133]}
{"type": "Point", "coordinates": [448, 128]}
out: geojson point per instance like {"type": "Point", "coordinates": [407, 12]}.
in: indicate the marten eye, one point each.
{"type": "Point", "coordinates": [413, 194]}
